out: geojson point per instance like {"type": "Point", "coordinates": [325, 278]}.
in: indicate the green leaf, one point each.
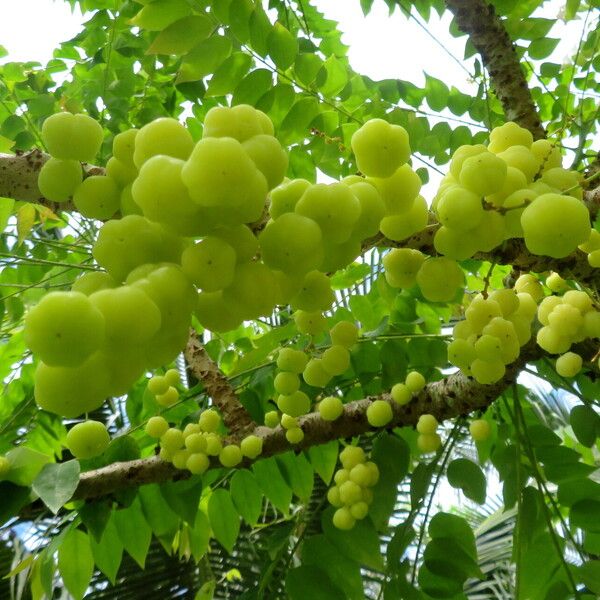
{"type": "Point", "coordinates": [273, 484]}
{"type": "Point", "coordinates": [14, 497]}
{"type": "Point", "coordinates": [542, 48]}
{"type": "Point", "coordinates": [56, 483]}
{"type": "Point", "coordinates": [95, 515]}
{"type": "Point", "coordinates": [181, 36]}
{"type": "Point", "coordinates": [419, 482]}
{"type": "Point", "coordinates": [199, 536]}
{"type": "Point", "coordinates": [204, 59]}
{"type": "Point", "coordinates": [260, 27]}
{"type": "Point", "coordinates": [436, 93]}
{"type": "Point", "coordinates": [295, 126]}
{"type": "Point", "coordinates": [159, 15]}
{"type": "Point", "coordinates": [25, 464]}
{"type": "Point", "coordinates": [283, 46]}
{"type": "Point", "coordinates": [585, 423]}
{"type": "Point", "coordinates": [224, 519]}
{"type": "Point", "coordinates": [446, 558]}
{"type": "Point", "coordinates": [445, 525]}
{"type": "Point", "coordinates": [253, 87]}
{"type": "Point", "coordinates": [324, 458]}
{"type": "Point", "coordinates": [392, 456]}
{"type": "Point", "coordinates": [158, 514]}
{"type": "Point", "coordinates": [133, 531]}
{"type": "Point", "coordinates": [75, 562]}
{"type": "Point", "coordinates": [246, 495]}
{"type": "Point", "coordinates": [360, 544]}
{"type": "Point", "coordinates": [108, 551]}
{"type": "Point", "coordinates": [437, 586]}
{"type": "Point", "coordinates": [306, 67]}
{"type": "Point", "coordinates": [589, 573]}
{"type": "Point", "coordinates": [240, 13]}
{"type": "Point", "coordinates": [229, 74]}
{"type": "Point", "coordinates": [333, 77]}
{"type": "Point", "coordinates": [311, 582]}
{"type": "Point", "coordinates": [207, 591]}
{"type": "Point", "coordinates": [585, 514]}
{"type": "Point", "coordinates": [183, 497]}
{"type": "Point", "coordinates": [467, 476]}
{"type": "Point", "coordinates": [343, 572]}
{"type": "Point", "coordinates": [299, 473]}
{"type": "Point", "coordinates": [6, 210]}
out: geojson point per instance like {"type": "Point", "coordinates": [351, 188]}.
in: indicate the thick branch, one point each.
{"type": "Point", "coordinates": [479, 21]}
{"type": "Point", "coordinates": [205, 370]}
{"type": "Point", "coordinates": [453, 396]}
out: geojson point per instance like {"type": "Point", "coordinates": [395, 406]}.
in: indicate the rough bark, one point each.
{"type": "Point", "coordinates": [205, 370]}
{"type": "Point", "coordinates": [479, 21]}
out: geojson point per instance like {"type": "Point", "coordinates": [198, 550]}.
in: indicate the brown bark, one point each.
{"type": "Point", "coordinates": [205, 370]}
{"type": "Point", "coordinates": [479, 21]}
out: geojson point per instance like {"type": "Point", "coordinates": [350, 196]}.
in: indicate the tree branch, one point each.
{"type": "Point", "coordinates": [453, 396]}
{"type": "Point", "coordinates": [205, 370]}
{"type": "Point", "coordinates": [486, 31]}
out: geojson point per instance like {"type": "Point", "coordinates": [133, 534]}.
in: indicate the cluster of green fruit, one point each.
{"type": "Point", "coordinates": [98, 339]}
{"type": "Point", "coordinates": [513, 188]}
{"type": "Point", "coordinates": [440, 279]}
{"type": "Point", "coordinates": [292, 402]}
{"type": "Point", "coordinates": [351, 494]}
{"type": "Point", "coordinates": [566, 320]}
{"type": "Point", "coordinates": [192, 447]}
{"type": "Point", "coordinates": [495, 328]}
{"type": "Point", "coordinates": [163, 387]}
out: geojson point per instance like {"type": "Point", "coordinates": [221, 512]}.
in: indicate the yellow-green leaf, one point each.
{"type": "Point", "coordinates": [25, 221]}
{"type": "Point", "coordinates": [180, 37]}
{"type": "Point", "coordinates": [205, 58]}
{"type": "Point", "coordinates": [159, 15]}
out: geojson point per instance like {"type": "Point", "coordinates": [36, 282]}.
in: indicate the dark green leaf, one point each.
{"type": "Point", "coordinates": [162, 520]}
{"type": "Point", "coordinates": [589, 573]}
{"type": "Point", "coordinates": [586, 515]}
{"type": "Point", "coordinates": [311, 582]}
{"type": "Point", "coordinates": [585, 423]}
{"type": "Point", "coordinates": [199, 536]}
{"type": "Point", "coordinates": [95, 516]}
{"type": "Point", "coordinates": [419, 482]}
{"type": "Point", "coordinates": [466, 475]}
{"type": "Point", "coordinates": [183, 497]}
{"type": "Point", "coordinates": [133, 531]}
{"type": "Point", "coordinates": [204, 59]}
{"type": "Point", "coordinates": [108, 551]}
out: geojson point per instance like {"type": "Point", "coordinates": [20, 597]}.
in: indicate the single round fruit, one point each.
{"type": "Point", "coordinates": [158, 385]}
{"type": "Point", "coordinates": [251, 446]}
{"type": "Point", "coordinates": [72, 137]}
{"type": "Point", "coordinates": [343, 519]}
{"type": "Point", "coordinates": [294, 435]}
{"type": "Point", "coordinates": [156, 426]}
{"type": "Point", "coordinates": [169, 398]}
{"type": "Point", "coordinates": [359, 510]}
{"type": "Point", "coordinates": [569, 364]}
{"type": "Point", "coordinates": [350, 492]}
{"type": "Point", "coordinates": [331, 408]}
{"type": "Point", "coordinates": [415, 382]}
{"type": "Point", "coordinates": [427, 424]}
{"type": "Point", "coordinates": [197, 463]}
{"type": "Point", "coordinates": [344, 333]}
{"type": "Point", "coordinates": [428, 442]}
{"type": "Point", "coordinates": [480, 430]}
{"type": "Point", "coordinates": [172, 440]}
{"type": "Point", "coordinates": [401, 394]}
{"type": "Point", "coordinates": [271, 418]}
{"type": "Point", "coordinates": [350, 456]}
{"type": "Point", "coordinates": [87, 439]}
{"type": "Point", "coordinates": [333, 496]}
{"type": "Point", "coordinates": [209, 420]}
{"type": "Point", "coordinates": [195, 442]}
{"type": "Point", "coordinates": [379, 413]}
{"type": "Point", "coordinates": [230, 456]}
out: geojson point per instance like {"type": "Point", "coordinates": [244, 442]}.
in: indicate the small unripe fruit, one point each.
{"type": "Point", "coordinates": [428, 442]}
{"type": "Point", "coordinates": [401, 394]}
{"type": "Point", "coordinates": [251, 446]}
{"type": "Point", "coordinates": [172, 440]}
{"type": "Point", "coordinates": [333, 497]}
{"type": "Point", "coordinates": [350, 492]}
{"type": "Point", "coordinates": [272, 419]}
{"type": "Point", "coordinates": [88, 439]}
{"type": "Point", "coordinates": [230, 456]}
{"type": "Point", "coordinates": [379, 413]}
{"type": "Point", "coordinates": [331, 408]}
{"type": "Point", "coordinates": [359, 510]}
{"type": "Point", "coordinates": [197, 463]}
{"type": "Point", "coordinates": [427, 424]}
{"type": "Point", "coordinates": [209, 420]}
{"type": "Point", "coordinates": [351, 456]}
{"type": "Point", "coordinates": [294, 435]}
{"type": "Point", "coordinates": [480, 430]}
{"type": "Point", "coordinates": [196, 442]}
{"type": "Point", "coordinates": [569, 364]}
{"type": "Point", "coordinates": [170, 397]}
{"type": "Point", "coordinates": [156, 427]}
{"type": "Point", "coordinates": [415, 382]}
{"type": "Point", "coordinates": [343, 519]}
{"type": "Point", "coordinates": [213, 444]}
